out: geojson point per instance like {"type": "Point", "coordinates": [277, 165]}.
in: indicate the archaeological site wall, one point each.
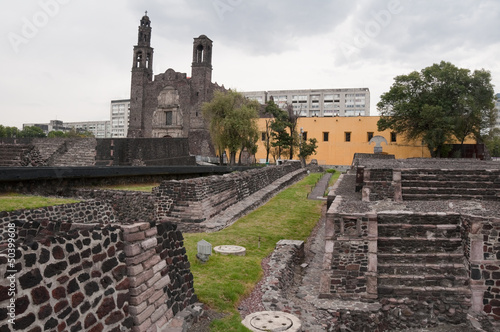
{"type": "Point", "coordinates": [197, 200]}
{"type": "Point", "coordinates": [422, 267]}
{"type": "Point", "coordinates": [110, 263]}
{"type": "Point", "coordinates": [75, 267]}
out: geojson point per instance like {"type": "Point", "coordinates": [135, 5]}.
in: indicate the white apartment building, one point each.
{"type": "Point", "coordinates": [119, 114]}
{"type": "Point", "coordinates": [100, 129]}
{"type": "Point", "coordinates": [320, 102]}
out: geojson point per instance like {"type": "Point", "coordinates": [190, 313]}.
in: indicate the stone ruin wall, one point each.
{"type": "Point", "coordinates": [127, 205]}
{"type": "Point", "coordinates": [480, 243]}
{"type": "Point", "coordinates": [482, 249]}
{"type": "Point", "coordinates": [79, 270]}
{"type": "Point", "coordinates": [197, 200]}
{"type": "Point", "coordinates": [82, 267]}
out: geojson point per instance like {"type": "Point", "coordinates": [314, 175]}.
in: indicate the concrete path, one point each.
{"type": "Point", "coordinates": [319, 189]}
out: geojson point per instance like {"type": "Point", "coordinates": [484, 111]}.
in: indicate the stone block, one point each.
{"type": "Point", "coordinates": [141, 278]}
{"type": "Point", "coordinates": [144, 316]}
{"type": "Point", "coordinates": [143, 297]}
{"type": "Point", "coordinates": [139, 259]}
{"type": "Point", "coordinates": [134, 237]}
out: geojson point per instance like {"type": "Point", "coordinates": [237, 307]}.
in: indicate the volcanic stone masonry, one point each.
{"type": "Point", "coordinates": [76, 269]}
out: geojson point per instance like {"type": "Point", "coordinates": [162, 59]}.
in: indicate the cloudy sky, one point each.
{"type": "Point", "coordinates": [67, 59]}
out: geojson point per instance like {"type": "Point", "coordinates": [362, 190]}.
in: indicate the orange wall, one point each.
{"type": "Point", "coordinates": [338, 152]}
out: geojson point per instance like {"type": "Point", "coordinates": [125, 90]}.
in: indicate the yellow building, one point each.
{"type": "Point", "coordinates": [340, 137]}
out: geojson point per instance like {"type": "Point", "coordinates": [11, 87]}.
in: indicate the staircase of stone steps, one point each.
{"type": "Point", "coordinates": [421, 258]}
{"type": "Point", "coordinates": [426, 184]}
{"type": "Point", "coordinates": [48, 147]}
{"type": "Point", "coordinates": [78, 152]}
{"type": "Point", "coordinates": [11, 155]}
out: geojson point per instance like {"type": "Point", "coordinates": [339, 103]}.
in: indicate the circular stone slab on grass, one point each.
{"type": "Point", "coordinates": [230, 250]}
{"type": "Point", "coordinates": [273, 321]}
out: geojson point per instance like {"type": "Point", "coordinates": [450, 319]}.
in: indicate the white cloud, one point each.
{"type": "Point", "coordinates": [80, 58]}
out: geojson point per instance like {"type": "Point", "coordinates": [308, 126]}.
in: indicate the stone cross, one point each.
{"type": "Point", "coordinates": [378, 143]}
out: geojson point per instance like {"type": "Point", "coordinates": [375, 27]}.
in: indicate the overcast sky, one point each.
{"type": "Point", "coordinates": [67, 59]}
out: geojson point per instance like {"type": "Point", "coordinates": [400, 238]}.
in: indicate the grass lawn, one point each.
{"type": "Point", "coordinates": [335, 176]}
{"type": "Point", "coordinates": [12, 202]}
{"type": "Point", "coordinates": [224, 280]}
{"type": "Point", "coordinates": [133, 187]}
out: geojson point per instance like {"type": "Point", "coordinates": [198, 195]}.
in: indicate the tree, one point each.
{"type": "Point", "coordinates": [267, 140]}
{"type": "Point", "coordinates": [56, 133]}
{"type": "Point", "coordinates": [281, 139]}
{"type": "Point", "coordinates": [492, 142]}
{"type": "Point", "coordinates": [438, 104]}
{"type": "Point", "coordinates": [307, 149]}
{"type": "Point", "coordinates": [32, 131]}
{"type": "Point", "coordinates": [232, 122]}
{"type": "Point", "coordinates": [9, 132]}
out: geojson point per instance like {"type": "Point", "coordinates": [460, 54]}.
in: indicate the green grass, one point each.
{"type": "Point", "coordinates": [12, 202]}
{"type": "Point", "coordinates": [335, 176]}
{"type": "Point", "coordinates": [224, 281]}
{"type": "Point", "coordinates": [133, 187]}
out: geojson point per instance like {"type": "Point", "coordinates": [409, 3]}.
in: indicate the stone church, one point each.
{"type": "Point", "coordinates": [169, 104]}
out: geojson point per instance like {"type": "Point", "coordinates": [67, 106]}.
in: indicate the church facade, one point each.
{"type": "Point", "coordinates": [169, 104]}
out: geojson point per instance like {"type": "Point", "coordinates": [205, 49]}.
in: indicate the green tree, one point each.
{"type": "Point", "coordinates": [492, 142]}
{"type": "Point", "coordinates": [267, 139]}
{"type": "Point", "coordinates": [9, 132]}
{"type": "Point", "coordinates": [307, 149]}
{"type": "Point", "coordinates": [232, 122]}
{"type": "Point", "coordinates": [32, 131]}
{"type": "Point", "coordinates": [438, 104]}
{"type": "Point", "coordinates": [56, 133]}
{"type": "Point", "coordinates": [281, 139]}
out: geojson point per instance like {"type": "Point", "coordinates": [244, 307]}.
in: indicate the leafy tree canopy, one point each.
{"type": "Point", "coordinates": [232, 122]}
{"type": "Point", "coordinates": [437, 104]}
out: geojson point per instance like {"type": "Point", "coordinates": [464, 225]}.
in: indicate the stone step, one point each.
{"type": "Point", "coordinates": [460, 295]}
{"type": "Point", "coordinates": [429, 197]}
{"type": "Point", "coordinates": [419, 230]}
{"type": "Point", "coordinates": [427, 258]}
{"type": "Point", "coordinates": [402, 245]}
{"type": "Point", "coordinates": [418, 219]}
{"type": "Point", "coordinates": [415, 269]}
{"type": "Point", "coordinates": [423, 280]}
{"type": "Point", "coordinates": [449, 184]}
{"type": "Point", "coordinates": [439, 174]}
{"type": "Point", "coordinates": [480, 190]}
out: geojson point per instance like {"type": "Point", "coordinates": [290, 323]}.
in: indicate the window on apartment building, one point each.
{"type": "Point", "coordinates": [369, 135]}
{"type": "Point", "coordinates": [304, 136]}
{"type": "Point", "coordinates": [326, 136]}
{"type": "Point", "coordinates": [168, 121]}
{"type": "Point", "coordinates": [347, 136]}
{"type": "Point", "coordinates": [393, 137]}
{"type": "Point", "coordinates": [315, 101]}
{"type": "Point", "coordinates": [263, 136]}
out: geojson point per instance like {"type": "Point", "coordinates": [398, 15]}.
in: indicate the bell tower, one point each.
{"type": "Point", "coordinates": [201, 68]}
{"type": "Point", "coordinates": [142, 73]}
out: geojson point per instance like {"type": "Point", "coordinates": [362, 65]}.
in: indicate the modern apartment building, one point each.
{"type": "Point", "coordinates": [100, 129]}
{"type": "Point", "coordinates": [320, 102]}
{"type": "Point", "coordinates": [119, 114]}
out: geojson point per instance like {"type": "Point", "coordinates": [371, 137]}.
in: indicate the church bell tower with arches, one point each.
{"type": "Point", "coordinates": [142, 73]}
